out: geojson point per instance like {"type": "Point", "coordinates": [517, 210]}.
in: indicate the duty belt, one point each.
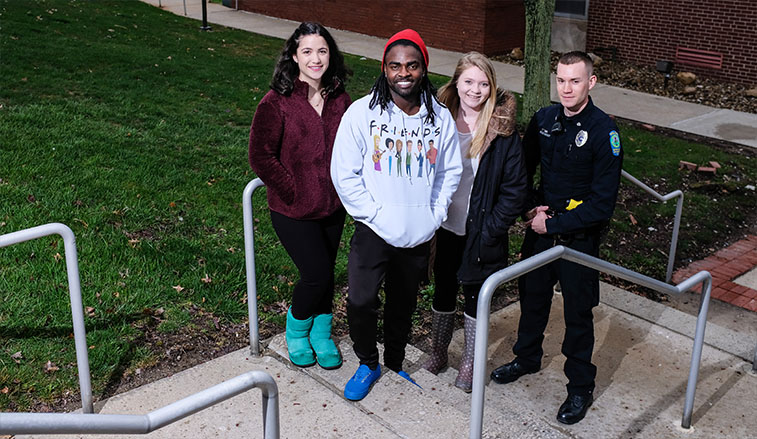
{"type": "Point", "coordinates": [567, 238]}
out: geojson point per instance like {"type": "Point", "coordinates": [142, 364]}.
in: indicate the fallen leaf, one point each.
{"type": "Point", "coordinates": [178, 288]}
{"type": "Point", "coordinates": [17, 357]}
{"type": "Point", "coordinates": [133, 242]}
{"type": "Point", "coordinates": [282, 306]}
{"type": "Point", "coordinates": [171, 204]}
{"type": "Point", "coordinates": [57, 257]}
{"type": "Point", "coordinates": [5, 390]}
{"type": "Point", "coordinates": [633, 220]}
{"type": "Point", "coordinates": [90, 311]}
{"type": "Point", "coordinates": [231, 250]}
{"type": "Point", "coordinates": [51, 367]}
{"type": "Point", "coordinates": [206, 279]}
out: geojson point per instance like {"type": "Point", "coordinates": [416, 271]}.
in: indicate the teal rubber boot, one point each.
{"type": "Point", "coordinates": [326, 352]}
{"type": "Point", "coordinates": [300, 352]}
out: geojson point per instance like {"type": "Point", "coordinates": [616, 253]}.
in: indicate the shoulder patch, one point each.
{"type": "Point", "coordinates": [615, 143]}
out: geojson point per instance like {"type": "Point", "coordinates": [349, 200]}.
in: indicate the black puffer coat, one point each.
{"type": "Point", "coordinates": [497, 196]}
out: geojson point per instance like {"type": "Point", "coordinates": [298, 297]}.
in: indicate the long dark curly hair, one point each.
{"type": "Point", "coordinates": [286, 71]}
{"type": "Point", "coordinates": [382, 94]}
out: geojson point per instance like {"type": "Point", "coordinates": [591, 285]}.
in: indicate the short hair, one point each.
{"type": "Point", "coordinates": [575, 57]}
{"type": "Point", "coordinates": [286, 70]}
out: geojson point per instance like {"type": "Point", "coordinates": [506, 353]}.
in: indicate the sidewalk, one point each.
{"type": "Point", "coordinates": [643, 349]}
{"type": "Point", "coordinates": [729, 125]}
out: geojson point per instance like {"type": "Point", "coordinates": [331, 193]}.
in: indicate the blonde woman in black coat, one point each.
{"type": "Point", "coordinates": [473, 242]}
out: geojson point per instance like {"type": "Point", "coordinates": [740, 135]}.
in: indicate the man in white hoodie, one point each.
{"type": "Point", "coordinates": [395, 215]}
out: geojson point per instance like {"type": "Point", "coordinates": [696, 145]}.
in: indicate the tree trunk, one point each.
{"type": "Point", "coordinates": [539, 16]}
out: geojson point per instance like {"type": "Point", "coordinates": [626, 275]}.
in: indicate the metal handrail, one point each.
{"type": "Point", "coordinates": [74, 423]}
{"type": "Point", "coordinates": [74, 288]}
{"type": "Point", "coordinates": [676, 222]}
{"type": "Point", "coordinates": [249, 262]}
{"type": "Point", "coordinates": [561, 252]}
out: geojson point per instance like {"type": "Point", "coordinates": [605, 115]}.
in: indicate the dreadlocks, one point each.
{"type": "Point", "coordinates": [382, 95]}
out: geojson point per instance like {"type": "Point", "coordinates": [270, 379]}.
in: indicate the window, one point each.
{"type": "Point", "coordinates": [572, 8]}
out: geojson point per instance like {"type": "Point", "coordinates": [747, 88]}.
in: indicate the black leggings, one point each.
{"type": "Point", "coordinates": [449, 256]}
{"type": "Point", "coordinates": [312, 245]}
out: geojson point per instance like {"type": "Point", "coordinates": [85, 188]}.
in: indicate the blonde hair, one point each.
{"type": "Point", "coordinates": [449, 97]}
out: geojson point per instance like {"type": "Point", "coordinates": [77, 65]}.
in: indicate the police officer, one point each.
{"type": "Point", "coordinates": [578, 148]}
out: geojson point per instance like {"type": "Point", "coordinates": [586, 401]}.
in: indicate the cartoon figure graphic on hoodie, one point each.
{"type": "Point", "coordinates": [419, 157]}
{"type": "Point", "coordinates": [390, 151]}
{"type": "Point", "coordinates": [377, 153]}
{"type": "Point", "coordinates": [398, 156]}
{"type": "Point", "coordinates": [395, 218]}
{"type": "Point", "coordinates": [408, 157]}
{"type": "Point", "coordinates": [431, 156]}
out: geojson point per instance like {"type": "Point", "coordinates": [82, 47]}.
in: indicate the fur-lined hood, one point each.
{"type": "Point", "coordinates": [502, 122]}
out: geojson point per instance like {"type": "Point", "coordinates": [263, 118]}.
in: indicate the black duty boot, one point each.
{"type": "Point", "coordinates": [507, 373]}
{"type": "Point", "coordinates": [574, 408]}
{"type": "Point", "coordinates": [441, 334]}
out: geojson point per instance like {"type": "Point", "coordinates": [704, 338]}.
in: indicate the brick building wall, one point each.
{"type": "Point", "coordinates": [488, 26]}
{"type": "Point", "coordinates": [645, 31]}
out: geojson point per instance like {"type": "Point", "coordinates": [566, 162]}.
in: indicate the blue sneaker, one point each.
{"type": "Point", "coordinates": [406, 376]}
{"type": "Point", "coordinates": [360, 384]}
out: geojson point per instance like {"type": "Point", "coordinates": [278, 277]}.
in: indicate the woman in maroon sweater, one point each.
{"type": "Point", "coordinates": [291, 139]}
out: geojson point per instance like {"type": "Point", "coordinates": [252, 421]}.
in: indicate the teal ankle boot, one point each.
{"type": "Point", "coordinates": [326, 352]}
{"type": "Point", "coordinates": [300, 352]}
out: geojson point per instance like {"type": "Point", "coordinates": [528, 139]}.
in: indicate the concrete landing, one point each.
{"type": "Point", "coordinates": [643, 351]}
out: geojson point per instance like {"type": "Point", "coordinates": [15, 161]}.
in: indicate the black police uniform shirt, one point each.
{"type": "Point", "coordinates": [581, 160]}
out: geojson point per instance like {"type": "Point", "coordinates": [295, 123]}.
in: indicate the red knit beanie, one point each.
{"type": "Point", "coordinates": [410, 35]}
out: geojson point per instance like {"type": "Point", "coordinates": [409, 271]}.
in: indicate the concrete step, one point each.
{"type": "Point", "coordinates": [642, 350]}
{"type": "Point", "coordinates": [642, 374]}
{"type": "Point", "coordinates": [439, 409]}
{"type": "Point", "coordinates": [307, 409]}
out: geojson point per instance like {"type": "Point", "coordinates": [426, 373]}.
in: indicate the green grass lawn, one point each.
{"type": "Point", "coordinates": [130, 126]}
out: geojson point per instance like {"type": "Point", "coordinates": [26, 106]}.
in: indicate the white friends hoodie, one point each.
{"type": "Point", "coordinates": [395, 173]}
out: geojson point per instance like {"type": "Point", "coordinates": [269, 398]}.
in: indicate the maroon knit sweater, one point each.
{"type": "Point", "coordinates": [290, 150]}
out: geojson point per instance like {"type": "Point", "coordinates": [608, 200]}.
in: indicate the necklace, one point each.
{"type": "Point", "coordinates": [317, 99]}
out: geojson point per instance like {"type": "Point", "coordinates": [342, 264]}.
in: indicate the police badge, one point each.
{"type": "Point", "coordinates": [581, 138]}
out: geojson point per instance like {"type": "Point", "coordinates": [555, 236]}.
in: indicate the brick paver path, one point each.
{"type": "Point", "coordinates": [725, 266]}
